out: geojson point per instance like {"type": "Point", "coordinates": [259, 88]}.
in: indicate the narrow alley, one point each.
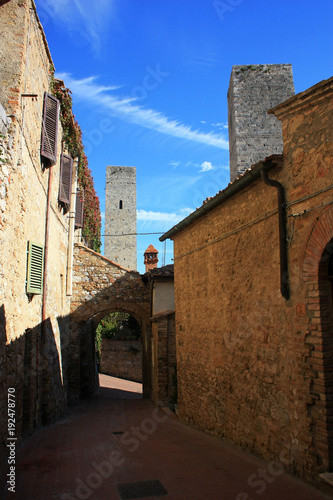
{"type": "Point", "coordinates": [118, 446]}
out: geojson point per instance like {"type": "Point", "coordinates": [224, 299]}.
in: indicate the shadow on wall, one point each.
{"type": "Point", "coordinates": [32, 391]}
{"type": "Point", "coordinates": [35, 383]}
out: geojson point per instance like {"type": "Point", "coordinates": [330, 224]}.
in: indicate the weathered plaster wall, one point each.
{"type": "Point", "coordinates": [122, 358]}
{"type": "Point", "coordinates": [251, 364]}
{"type": "Point", "coordinates": [163, 296]}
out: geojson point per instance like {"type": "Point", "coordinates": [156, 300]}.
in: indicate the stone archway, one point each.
{"type": "Point", "coordinates": [317, 255]}
{"type": "Point", "coordinates": [100, 285]}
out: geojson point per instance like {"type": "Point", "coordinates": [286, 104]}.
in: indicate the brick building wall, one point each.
{"type": "Point", "coordinates": [122, 358]}
{"type": "Point", "coordinates": [252, 366]}
{"type": "Point", "coordinates": [120, 216]}
{"type": "Point", "coordinates": [253, 134]}
{"type": "Point", "coordinates": [164, 363]}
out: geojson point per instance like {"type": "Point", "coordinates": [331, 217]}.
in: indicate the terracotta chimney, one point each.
{"type": "Point", "coordinates": [151, 258]}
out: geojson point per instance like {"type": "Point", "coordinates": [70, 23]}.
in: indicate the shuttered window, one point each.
{"type": "Point", "coordinates": [79, 208]}
{"type": "Point", "coordinates": [66, 168]}
{"type": "Point", "coordinates": [50, 129]}
{"type": "Point", "coordinates": [35, 268]}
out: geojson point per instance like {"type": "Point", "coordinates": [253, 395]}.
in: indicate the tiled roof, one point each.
{"type": "Point", "coordinates": [151, 249]}
{"type": "Point", "coordinates": [164, 271]}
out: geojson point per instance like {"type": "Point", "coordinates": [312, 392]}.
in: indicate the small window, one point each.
{"type": "Point", "coordinates": [35, 268]}
{"type": "Point", "coordinates": [66, 168]}
{"type": "Point", "coordinates": [79, 208]}
{"type": "Point", "coordinates": [121, 204]}
{"type": "Point", "coordinates": [50, 130]}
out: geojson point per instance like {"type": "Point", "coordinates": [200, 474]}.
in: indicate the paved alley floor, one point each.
{"type": "Point", "coordinates": [118, 446]}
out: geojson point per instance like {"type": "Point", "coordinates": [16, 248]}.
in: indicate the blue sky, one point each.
{"type": "Point", "coordinates": [150, 78]}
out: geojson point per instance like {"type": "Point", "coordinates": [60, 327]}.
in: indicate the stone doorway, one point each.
{"type": "Point", "coordinates": [119, 346]}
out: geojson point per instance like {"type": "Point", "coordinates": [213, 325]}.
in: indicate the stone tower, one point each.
{"type": "Point", "coordinates": [151, 258]}
{"type": "Point", "coordinates": [120, 216]}
{"type": "Point", "coordinates": [253, 134]}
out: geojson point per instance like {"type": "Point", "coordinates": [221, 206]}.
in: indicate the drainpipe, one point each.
{"type": "Point", "coordinates": [70, 250]}
{"type": "Point", "coordinates": [46, 244]}
{"type": "Point", "coordinates": [284, 275]}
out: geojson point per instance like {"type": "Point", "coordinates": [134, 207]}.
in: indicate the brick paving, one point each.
{"type": "Point", "coordinates": [117, 437]}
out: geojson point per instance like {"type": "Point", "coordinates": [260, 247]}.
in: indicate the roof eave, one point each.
{"type": "Point", "coordinates": [245, 180]}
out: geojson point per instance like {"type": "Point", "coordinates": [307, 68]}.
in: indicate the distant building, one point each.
{"type": "Point", "coordinates": [120, 216]}
{"type": "Point", "coordinates": [151, 258]}
{"type": "Point", "coordinates": [253, 134]}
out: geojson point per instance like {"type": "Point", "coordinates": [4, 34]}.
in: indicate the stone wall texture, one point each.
{"type": "Point", "coordinates": [164, 371]}
{"type": "Point", "coordinates": [120, 216]}
{"type": "Point", "coordinates": [100, 287]}
{"type": "Point", "coordinates": [253, 134]}
{"type": "Point", "coordinates": [252, 366]}
{"type": "Point", "coordinates": [32, 351]}
{"type": "Point", "coordinates": [122, 358]}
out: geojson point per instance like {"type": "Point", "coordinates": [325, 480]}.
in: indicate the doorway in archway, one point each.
{"type": "Point", "coordinates": [326, 318]}
{"type": "Point", "coordinates": [119, 346]}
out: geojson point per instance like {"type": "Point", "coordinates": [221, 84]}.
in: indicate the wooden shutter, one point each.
{"type": "Point", "coordinates": [79, 208]}
{"type": "Point", "coordinates": [65, 186]}
{"type": "Point", "coordinates": [35, 268]}
{"type": "Point", "coordinates": [50, 129]}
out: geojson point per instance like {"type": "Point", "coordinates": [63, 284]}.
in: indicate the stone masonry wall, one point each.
{"type": "Point", "coordinates": [120, 216]}
{"type": "Point", "coordinates": [122, 358]}
{"type": "Point", "coordinates": [253, 134]}
{"type": "Point", "coordinates": [164, 359]}
{"type": "Point", "coordinates": [32, 353]}
{"type": "Point", "coordinates": [101, 286]}
{"type": "Point", "coordinates": [251, 364]}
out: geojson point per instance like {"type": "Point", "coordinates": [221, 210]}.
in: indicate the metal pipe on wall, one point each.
{"type": "Point", "coordinates": [284, 274]}
{"type": "Point", "coordinates": [70, 250]}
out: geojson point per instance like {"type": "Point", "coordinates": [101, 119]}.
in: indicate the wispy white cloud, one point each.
{"type": "Point", "coordinates": [221, 125]}
{"type": "Point", "coordinates": [174, 164]}
{"type": "Point", "coordinates": [167, 217]}
{"type": "Point", "coordinates": [89, 19]}
{"type": "Point", "coordinates": [206, 166]}
{"type": "Point", "coordinates": [125, 108]}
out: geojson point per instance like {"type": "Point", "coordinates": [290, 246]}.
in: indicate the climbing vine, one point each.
{"type": "Point", "coordinates": [72, 136]}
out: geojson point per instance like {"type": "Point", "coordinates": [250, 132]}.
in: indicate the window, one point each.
{"type": "Point", "coordinates": [50, 130]}
{"type": "Point", "coordinates": [66, 168]}
{"type": "Point", "coordinates": [35, 268]}
{"type": "Point", "coordinates": [79, 208]}
{"type": "Point", "coordinates": [121, 204]}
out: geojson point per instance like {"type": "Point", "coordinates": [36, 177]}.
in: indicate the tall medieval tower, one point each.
{"type": "Point", "coordinates": [253, 134]}
{"type": "Point", "coordinates": [120, 216]}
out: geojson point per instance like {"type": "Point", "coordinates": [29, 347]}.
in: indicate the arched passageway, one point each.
{"type": "Point", "coordinates": [101, 287]}
{"type": "Point", "coordinates": [118, 342]}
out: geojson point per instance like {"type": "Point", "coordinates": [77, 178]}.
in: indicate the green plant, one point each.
{"type": "Point", "coordinates": [72, 137]}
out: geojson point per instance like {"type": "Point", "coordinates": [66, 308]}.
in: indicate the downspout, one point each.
{"type": "Point", "coordinates": [284, 274]}
{"type": "Point", "coordinates": [70, 250]}
{"type": "Point", "coordinates": [46, 244]}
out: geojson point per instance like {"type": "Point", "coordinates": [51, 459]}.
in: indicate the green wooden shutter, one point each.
{"type": "Point", "coordinates": [35, 268]}
{"type": "Point", "coordinates": [50, 129]}
{"type": "Point", "coordinates": [65, 185]}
